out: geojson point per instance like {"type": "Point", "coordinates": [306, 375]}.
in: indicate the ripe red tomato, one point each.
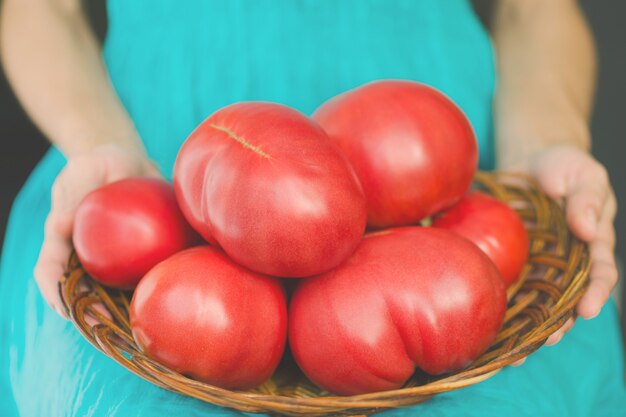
{"type": "Point", "coordinates": [266, 183]}
{"type": "Point", "coordinates": [407, 297]}
{"type": "Point", "coordinates": [123, 229]}
{"type": "Point", "coordinates": [494, 227]}
{"type": "Point", "coordinates": [202, 315]}
{"type": "Point", "coordinates": [412, 148]}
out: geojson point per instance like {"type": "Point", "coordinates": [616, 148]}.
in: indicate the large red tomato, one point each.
{"type": "Point", "coordinates": [413, 149]}
{"type": "Point", "coordinates": [407, 297]}
{"type": "Point", "coordinates": [494, 227]}
{"type": "Point", "coordinates": [266, 183]}
{"type": "Point", "coordinates": [202, 315]}
{"type": "Point", "coordinates": [123, 229]}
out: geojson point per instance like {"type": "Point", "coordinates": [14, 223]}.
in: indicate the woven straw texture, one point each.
{"type": "Point", "coordinates": [550, 285]}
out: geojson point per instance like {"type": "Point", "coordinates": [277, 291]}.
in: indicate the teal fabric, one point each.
{"type": "Point", "coordinates": [173, 63]}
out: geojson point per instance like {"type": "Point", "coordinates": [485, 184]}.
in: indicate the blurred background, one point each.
{"type": "Point", "coordinates": [23, 145]}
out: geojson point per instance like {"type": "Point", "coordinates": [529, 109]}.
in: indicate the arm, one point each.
{"type": "Point", "coordinates": [546, 64]}
{"type": "Point", "coordinates": [53, 62]}
{"type": "Point", "coordinates": [547, 67]}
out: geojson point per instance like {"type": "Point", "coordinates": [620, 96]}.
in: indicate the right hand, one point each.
{"type": "Point", "coordinates": [82, 174]}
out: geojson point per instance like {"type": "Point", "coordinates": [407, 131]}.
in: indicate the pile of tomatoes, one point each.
{"type": "Point", "coordinates": [362, 210]}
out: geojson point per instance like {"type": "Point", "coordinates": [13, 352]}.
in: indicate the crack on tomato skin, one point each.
{"type": "Point", "coordinates": [241, 140]}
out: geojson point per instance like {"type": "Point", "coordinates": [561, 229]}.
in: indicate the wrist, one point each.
{"type": "Point", "coordinates": [116, 161]}
{"type": "Point", "coordinates": [129, 142]}
{"type": "Point", "coordinates": [512, 150]}
{"type": "Point", "coordinates": [527, 162]}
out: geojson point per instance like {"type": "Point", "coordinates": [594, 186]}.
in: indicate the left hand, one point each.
{"type": "Point", "coordinates": [572, 176]}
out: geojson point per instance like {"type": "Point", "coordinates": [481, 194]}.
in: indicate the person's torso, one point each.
{"type": "Point", "coordinates": [174, 63]}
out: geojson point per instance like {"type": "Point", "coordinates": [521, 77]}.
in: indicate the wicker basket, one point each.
{"type": "Point", "coordinates": [544, 297]}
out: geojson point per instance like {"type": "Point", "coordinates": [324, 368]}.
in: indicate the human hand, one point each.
{"type": "Point", "coordinates": [83, 173]}
{"type": "Point", "coordinates": [574, 178]}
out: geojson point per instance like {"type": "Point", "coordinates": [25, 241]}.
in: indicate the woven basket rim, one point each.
{"type": "Point", "coordinates": [541, 304]}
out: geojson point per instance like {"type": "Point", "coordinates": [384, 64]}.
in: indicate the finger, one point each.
{"type": "Point", "coordinates": [585, 202]}
{"type": "Point", "coordinates": [99, 308]}
{"type": "Point", "coordinates": [552, 183]}
{"type": "Point", "coordinates": [49, 270]}
{"type": "Point", "coordinates": [603, 275]}
{"type": "Point", "coordinates": [602, 281]}
{"type": "Point", "coordinates": [67, 192]}
{"type": "Point", "coordinates": [73, 184]}
{"type": "Point", "coordinates": [58, 226]}
{"type": "Point", "coordinates": [555, 338]}
{"type": "Point", "coordinates": [558, 335]}
{"type": "Point", "coordinates": [518, 362]}
{"type": "Point", "coordinates": [53, 257]}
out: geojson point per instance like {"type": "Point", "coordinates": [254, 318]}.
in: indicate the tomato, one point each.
{"type": "Point", "coordinates": [202, 315]}
{"type": "Point", "coordinates": [408, 297]}
{"type": "Point", "coordinates": [494, 227]}
{"type": "Point", "coordinates": [412, 148]}
{"type": "Point", "coordinates": [123, 229]}
{"type": "Point", "coordinates": [265, 182]}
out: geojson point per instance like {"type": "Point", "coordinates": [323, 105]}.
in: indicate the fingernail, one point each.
{"type": "Point", "coordinates": [552, 340]}
{"type": "Point", "coordinates": [518, 362]}
{"type": "Point", "coordinates": [592, 315]}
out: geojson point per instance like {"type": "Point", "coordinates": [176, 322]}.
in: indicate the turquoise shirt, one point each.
{"type": "Point", "coordinates": [175, 62]}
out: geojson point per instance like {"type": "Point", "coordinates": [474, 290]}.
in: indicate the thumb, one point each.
{"type": "Point", "coordinates": [584, 207]}
{"type": "Point", "coordinates": [584, 202]}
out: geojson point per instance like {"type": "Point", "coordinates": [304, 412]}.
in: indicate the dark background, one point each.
{"type": "Point", "coordinates": [23, 145]}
